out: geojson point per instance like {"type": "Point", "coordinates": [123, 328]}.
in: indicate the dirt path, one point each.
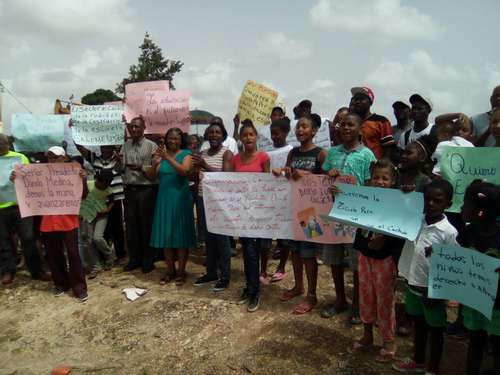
{"type": "Point", "coordinates": [179, 330]}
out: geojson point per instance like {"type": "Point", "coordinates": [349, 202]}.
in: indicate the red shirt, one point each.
{"type": "Point", "coordinates": [59, 223]}
{"type": "Point", "coordinates": [256, 164]}
{"type": "Point", "coordinates": [377, 134]}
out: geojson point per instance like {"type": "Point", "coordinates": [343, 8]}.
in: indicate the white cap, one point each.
{"type": "Point", "coordinates": [57, 151]}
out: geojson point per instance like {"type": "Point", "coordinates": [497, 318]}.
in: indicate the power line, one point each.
{"type": "Point", "coordinates": [3, 87]}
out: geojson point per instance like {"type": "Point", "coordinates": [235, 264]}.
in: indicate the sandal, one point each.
{"type": "Point", "coordinates": [305, 306]}
{"type": "Point", "coordinates": [180, 279]}
{"type": "Point", "coordinates": [385, 356]}
{"type": "Point", "coordinates": [289, 294]}
{"type": "Point", "coordinates": [357, 346]}
{"type": "Point", "coordinates": [167, 278]}
{"type": "Point", "coordinates": [355, 319]}
{"type": "Point", "coordinates": [278, 276]}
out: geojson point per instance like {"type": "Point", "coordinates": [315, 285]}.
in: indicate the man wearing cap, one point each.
{"type": "Point", "coordinates": [421, 107]}
{"type": "Point", "coordinates": [376, 130]}
{"type": "Point", "coordinates": [140, 196]}
{"type": "Point", "coordinates": [11, 221]}
{"type": "Point", "coordinates": [481, 122]}
{"type": "Point", "coordinates": [403, 122]}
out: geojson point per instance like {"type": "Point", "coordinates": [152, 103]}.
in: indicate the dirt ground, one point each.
{"type": "Point", "coordinates": [181, 330]}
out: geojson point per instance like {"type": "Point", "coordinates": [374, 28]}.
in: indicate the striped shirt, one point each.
{"type": "Point", "coordinates": [354, 162]}
{"type": "Point", "coordinates": [215, 161]}
{"type": "Point", "coordinates": [376, 134]}
{"type": "Point", "coordinates": [113, 164]}
{"type": "Point", "coordinates": [138, 153]}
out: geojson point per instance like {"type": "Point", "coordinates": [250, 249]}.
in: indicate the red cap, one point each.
{"type": "Point", "coordinates": [365, 91]}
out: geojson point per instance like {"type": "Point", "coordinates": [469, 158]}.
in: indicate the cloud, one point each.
{"type": "Point", "coordinates": [388, 18]}
{"type": "Point", "coordinates": [213, 87]}
{"type": "Point", "coordinates": [64, 21]}
{"type": "Point", "coordinates": [278, 46]}
{"type": "Point", "coordinates": [451, 88]}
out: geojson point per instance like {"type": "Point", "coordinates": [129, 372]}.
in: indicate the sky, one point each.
{"type": "Point", "coordinates": [445, 50]}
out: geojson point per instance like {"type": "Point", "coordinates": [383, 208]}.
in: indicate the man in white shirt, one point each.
{"type": "Point", "coordinates": [420, 109]}
{"type": "Point", "coordinates": [481, 122]}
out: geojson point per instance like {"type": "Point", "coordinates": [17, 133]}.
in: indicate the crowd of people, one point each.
{"type": "Point", "coordinates": [153, 195]}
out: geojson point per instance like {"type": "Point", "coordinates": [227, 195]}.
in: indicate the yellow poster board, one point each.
{"type": "Point", "coordinates": [256, 103]}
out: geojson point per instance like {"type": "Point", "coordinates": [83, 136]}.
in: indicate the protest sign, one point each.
{"type": "Point", "coordinates": [7, 190]}
{"type": "Point", "coordinates": [97, 125]}
{"type": "Point", "coordinates": [36, 133]}
{"type": "Point", "coordinates": [387, 211]}
{"type": "Point", "coordinates": [91, 206]}
{"type": "Point", "coordinates": [48, 189]}
{"type": "Point", "coordinates": [462, 165]}
{"type": "Point", "coordinates": [135, 97]}
{"type": "Point", "coordinates": [167, 109]}
{"type": "Point", "coordinates": [256, 205]}
{"type": "Point", "coordinates": [321, 139]}
{"type": "Point", "coordinates": [256, 103]}
{"type": "Point", "coordinates": [312, 201]}
{"type": "Point", "coordinates": [464, 275]}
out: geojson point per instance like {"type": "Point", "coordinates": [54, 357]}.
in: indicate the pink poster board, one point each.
{"type": "Point", "coordinates": [48, 189]}
{"type": "Point", "coordinates": [135, 98]}
{"type": "Point", "coordinates": [165, 110]}
{"type": "Point", "coordinates": [312, 200]}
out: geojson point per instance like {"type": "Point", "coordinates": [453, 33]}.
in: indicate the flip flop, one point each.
{"type": "Point", "coordinates": [357, 347]}
{"type": "Point", "coordinates": [278, 276]}
{"type": "Point", "coordinates": [167, 278]}
{"type": "Point", "coordinates": [385, 356]}
{"type": "Point", "coordinates": [304, 307]}
{"type": "Point", "coordinates": [289, 294]}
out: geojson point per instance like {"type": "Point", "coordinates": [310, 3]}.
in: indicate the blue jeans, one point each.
{"type": "Point", "coordinates": [251, 262]}
{"type": "Point", "coordinates": [218, 260]}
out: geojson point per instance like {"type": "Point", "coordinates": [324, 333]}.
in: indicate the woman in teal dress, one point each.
{"type": "Point", "coordinates": [173, 224]}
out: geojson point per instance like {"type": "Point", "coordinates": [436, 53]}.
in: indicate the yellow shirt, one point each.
{"type": "Point", "coordinates": [24, 160]}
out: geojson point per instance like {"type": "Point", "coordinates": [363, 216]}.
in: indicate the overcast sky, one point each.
{"type": "Point", "coordinates": [446, 50]}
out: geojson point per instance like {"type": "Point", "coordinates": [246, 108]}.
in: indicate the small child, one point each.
{"type": "Point", "coordinates": [378, 255]}
{"type": "Point", "coordinates": [349, 158]}
{"type": "Point", "coordinates": [429, 315]}
{"type": "Point", "coordinates": [279, 132]}
{"type": "Point", "coordinates": [415, 157]}
{"type": "Point", "coordinates": [450, 131]}
{"type": "Point", "coordinates": [480, 209]}
{"type": "Point", "coordinates": [251, 160]}
{"type": "Point", "coordinates": [303, 160]}
{"type": "Point", "coordinates": [92, 233]}
{"type": "Point", "coordinates": [59, 232]}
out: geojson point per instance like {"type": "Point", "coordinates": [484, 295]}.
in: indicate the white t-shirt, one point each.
{"type": "Point", "coordinates": [278, 156]}
{"type": "Point", "coordinates": [413, 136]}
{"type": "Point", "coordinates": [481, 124]}
{"type": "Point", "coordinates": [453, 142]}
{"type": "Point", "coordinates": [230, 143]}
{"type": "Point", "coordinates": [413, 264]}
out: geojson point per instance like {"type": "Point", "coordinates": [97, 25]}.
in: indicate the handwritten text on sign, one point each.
{"type": "Point", "coordinates": [167, 109]}
{"type": "Point", "coordinates": [387, 211]}
{"type": "Point", "coordinates": [254, 205]}
{"type": "Point", "coordinates": [256, 103]}
{"type": "Point", "coordinates": [321, 139]}
{"type": "Point", "coordinates": [48, 189]}
{"type": "Point", "coordinates": [36, 133]}
{"type": "Point", "coordinates": [312, 201]}
{"type": "Point", "coordinates": [135, 98]}
{"type": "Point", "coordinates": [97, 125]}
{"type": "Point", "coordinates": [462, 165]}
{"type": "Point", "coordinates": [464, 275]}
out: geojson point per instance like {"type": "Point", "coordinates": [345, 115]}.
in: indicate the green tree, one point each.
{"type": "Point", "coordinates": [151, 66]}
{"type": "Point", "coordinates": [99, 96]}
